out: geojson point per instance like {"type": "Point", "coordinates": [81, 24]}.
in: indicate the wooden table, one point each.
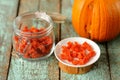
{"type": "Point", "coordinates": [14, 68]}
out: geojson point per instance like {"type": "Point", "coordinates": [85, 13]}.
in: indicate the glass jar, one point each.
{"type": "Point", "coordinates": [33, 36]}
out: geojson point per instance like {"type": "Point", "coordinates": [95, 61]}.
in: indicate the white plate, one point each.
{"type": "Point", "coordinates": [80, 40]}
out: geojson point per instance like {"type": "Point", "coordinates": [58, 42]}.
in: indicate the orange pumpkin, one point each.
{"type": "Point", "coordinates": [98, 20]}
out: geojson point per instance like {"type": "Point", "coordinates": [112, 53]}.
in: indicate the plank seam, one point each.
{"type": "Point", "coordinates": [108, 59]}
{"type": "Point", "coordinates": [18, 7]}
{"type": "Point", "coordinates": [12, 45]}
{"type": "Point", "coordinates": [38, 5]}
{"type": "Point", "coordinates": [59, 34]}
{"type": "Point", "coordinates": [9, 62]}
{"type": "Point", "coordinates": [59, 38]}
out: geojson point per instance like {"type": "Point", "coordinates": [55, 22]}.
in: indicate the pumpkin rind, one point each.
{"type": "Point", "coordinates": [75, 18]}
{"type": "Point", "coordinates": [98, 20]}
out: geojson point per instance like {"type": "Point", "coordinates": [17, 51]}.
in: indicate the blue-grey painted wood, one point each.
{"type": "Point", "coordinates": [114, 58]}
{"type": "Point", "coordinates": [100, 71]}
{"type": "Point", "coordinates": [52, 6]}
{"type": "Point", "coordinates": [36, 70]}
{"type": "Point", "coordinates": [48, 69]}
{"type": "Point", "coordinates": [7, 13]}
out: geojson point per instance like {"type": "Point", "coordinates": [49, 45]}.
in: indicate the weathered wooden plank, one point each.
{"type": "Point", "coordinates": [28, 5]}
{"type": "Point", "coordinates": [36, 70]}
{"type": "Point", "coordinates": [114, 58]}
{"type": "Point", "coordinates": [100, 71]}
{"type": "Point", "coordinates": [52, 6]}
{"type": "Point", "coordinates": [7, 13]}
{"type": "Point", "coordinates": [21, 69]}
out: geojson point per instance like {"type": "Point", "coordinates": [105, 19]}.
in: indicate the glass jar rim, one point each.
{"type": "Point", "coordinates": [39, 15]}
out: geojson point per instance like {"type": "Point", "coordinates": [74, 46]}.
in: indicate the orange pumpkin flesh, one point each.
{"type": "Point", "coordinates": [98, 20]}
